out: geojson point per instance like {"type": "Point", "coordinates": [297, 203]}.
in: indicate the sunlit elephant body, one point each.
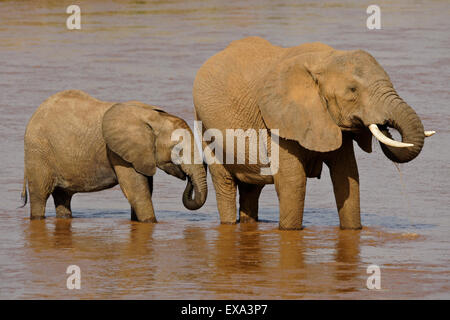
{"type": "Point", "coordinates": [76, 143]}
{"type": "Point", "coordinates": [320, 99]}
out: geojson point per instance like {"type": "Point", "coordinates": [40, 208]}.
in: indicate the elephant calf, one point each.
{"type": "Point", "coordinates": [76, 143]}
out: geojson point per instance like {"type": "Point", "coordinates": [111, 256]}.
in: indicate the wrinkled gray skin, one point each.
{"type": "Point", "coordinates": [75, 143]}
{"type": "Point", "coordinates": [320, 99]}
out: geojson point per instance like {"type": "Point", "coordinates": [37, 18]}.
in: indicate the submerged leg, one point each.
{"type": "Point", "coordinates": [248, 201]}
{"type": "Point", "coordinates": [62, 200]}
{"type": "Point", "coordinates": [345, 177]}
{"type": "Point", "coordinates": [40, 187]}
{"type": "Point", "coordinates": [225, 187]}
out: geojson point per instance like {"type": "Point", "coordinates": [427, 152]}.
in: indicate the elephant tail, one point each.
{"type": "Point", "coordinates": [24, 195]}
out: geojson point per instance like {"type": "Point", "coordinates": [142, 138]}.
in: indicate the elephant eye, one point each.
{"type": "Point", "coordinates": [352, 89]}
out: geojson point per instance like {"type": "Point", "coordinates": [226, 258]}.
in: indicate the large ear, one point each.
{"type": "Point", "coordinates": [127, 131]}
{"type": "Point", "coordinates": [289, 100]}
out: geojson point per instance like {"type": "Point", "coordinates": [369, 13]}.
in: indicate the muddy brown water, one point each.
{"type": "Point", "coordinates": [150, 51]}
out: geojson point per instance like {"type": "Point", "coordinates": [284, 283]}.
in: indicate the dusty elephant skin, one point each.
{"type": "Point", "coordinates": [320, 99]}
{"type": "Point", "coordinates": [76, 143]}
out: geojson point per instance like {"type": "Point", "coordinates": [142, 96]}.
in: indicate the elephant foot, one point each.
{"type": "Point", "coordinates": [283, 228]}
{"type": "Point", "coordinates": [64, 216]}
{"type": "Point", "coordinates": [228, 222]}
{"type": "Point", "coordinates": [248, 220]}
{"type": "Point", "coordinates": [37, 217]}
{"type": "Point", "coordinates": [148, 220]}
{"type": "Point", "coordinates": [358, 227]}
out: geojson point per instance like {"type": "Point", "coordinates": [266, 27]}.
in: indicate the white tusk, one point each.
{"type": "Point", "coordinates": [429, 133]}
{"type": "Point", "coordinates": [387, 141]}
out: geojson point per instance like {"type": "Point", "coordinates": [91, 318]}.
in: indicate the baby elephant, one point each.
{"type": "Point", "coordinates": [75, 143]}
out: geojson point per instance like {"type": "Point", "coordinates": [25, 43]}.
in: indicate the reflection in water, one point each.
{"type": "Point", "coordinates": [150, 51]}
{"type": "Point", "coordinates": [237, 255]}
{"type": "Point", "coordinates": [347, 257]}
{"type": "Point", "coordinates": [62, 233]}
{"type": "Point", "coordinates": [292, 264]}
{"type": "Point", "coordinates": [238, 248]}
{"type": "Point", "coordinates": [133, 266]}
{"type": "Point", "coordinates": [41, 234]}
{"type": "Point", "coordinates": [176, 260]}
{"type": "Point", "coordinates": [292, 248]}
{"type": "Point", "coordinates": [257, 259]}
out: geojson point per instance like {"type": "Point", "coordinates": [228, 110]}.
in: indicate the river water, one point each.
{"type": "Point", "coordinates": [150, 51]}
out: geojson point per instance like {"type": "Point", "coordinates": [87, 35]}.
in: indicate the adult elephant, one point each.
{"type": "Point", "coordinates": [76, 143]}
{"type": "Point", "coordinates": [320, 99]}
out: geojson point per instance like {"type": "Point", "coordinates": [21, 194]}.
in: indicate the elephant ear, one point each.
{"type": "Point", "coordinates": [289, 100]}
{"type": "Point", "coordinates": [127, 132]}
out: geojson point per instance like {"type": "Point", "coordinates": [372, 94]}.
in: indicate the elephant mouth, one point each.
{"type": "Point", "coordinates": [350, 129]}
{"type": "Point", "coordinates": [173, 170]}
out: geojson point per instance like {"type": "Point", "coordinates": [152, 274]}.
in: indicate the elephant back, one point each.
{"type": "Point", "coordinates": [224, 84]}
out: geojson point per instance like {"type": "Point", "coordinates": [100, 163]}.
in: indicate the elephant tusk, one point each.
{"type": "Point", "coordinates": [387, 141]}
{"type": "Point", "coordinates": [429, 133]}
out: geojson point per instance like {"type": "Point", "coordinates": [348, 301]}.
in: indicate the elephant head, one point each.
{"type": "Point", "coordinates": [312, 97]}
{"type": "Point", "coordinates": [142, 135]}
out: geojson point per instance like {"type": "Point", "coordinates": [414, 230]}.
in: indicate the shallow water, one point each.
{"type": "Point", "coordinates": [150, 51]}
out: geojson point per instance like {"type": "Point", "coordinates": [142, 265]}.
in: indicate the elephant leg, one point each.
{"type": "Point", "coordinates": [345, 178]}
{"type": "Point", "coordinates": [248, 201]}
{"type": "Point", "coordinates": [150, 186]}
{"type": "Point", "coordinates": [135, 187]}
{"type": "Point", "coordinates": [62, 200]}
{"type": "Point", "coordinates": [225, 186]}
{"type": "Point", "coordinates": [38, 201]}
{"type": "Point", "coordinates": [40, 187]}
{"type": "Point", "coordinates": [290, 184]}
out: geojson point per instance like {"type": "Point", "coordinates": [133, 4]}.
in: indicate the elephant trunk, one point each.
{"type": "Point", "coordinates": [405, 120]}
{"type": "Point", "coordinates": [196, 184]}
{"type": "Point", "coordinates": [399, 115]}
